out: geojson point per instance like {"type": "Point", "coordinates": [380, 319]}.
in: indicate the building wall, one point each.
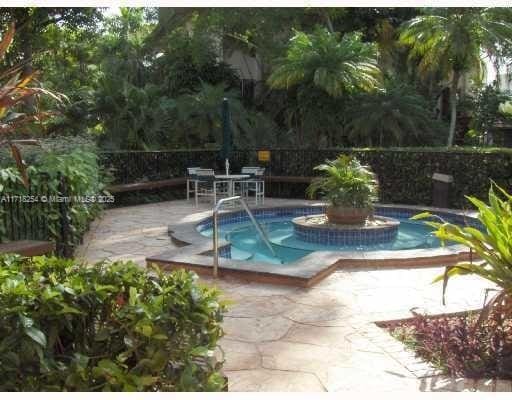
{"type": "Point", "coordinates": [248, 67]}
{"type": "Point", "coordinates": [505, 75]}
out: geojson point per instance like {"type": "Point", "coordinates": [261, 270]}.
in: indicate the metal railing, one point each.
{"type": "Point", "coordinates": [30, 214]}
{"type": "Point", "coordinates": [256, 224]}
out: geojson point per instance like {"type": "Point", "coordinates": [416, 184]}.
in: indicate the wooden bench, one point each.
{"type": "Point", "coordinates": [28, 248]}
{"type": "Point", "coordinates": [289, 179]}
{"type": "Point", "coordinates": [149, 185]}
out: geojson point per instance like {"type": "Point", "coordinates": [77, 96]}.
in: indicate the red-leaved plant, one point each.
{"type": "Point", "coordinates": [15, 89]}
{"type": "Point", "coordinates": [452, 343]}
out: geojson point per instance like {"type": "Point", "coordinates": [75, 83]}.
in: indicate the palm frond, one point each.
{"type": "Point", "coordinates": [334, 65]}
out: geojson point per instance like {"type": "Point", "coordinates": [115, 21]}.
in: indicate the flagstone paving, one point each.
{"type": "Point", "coordinates": [322, 338]}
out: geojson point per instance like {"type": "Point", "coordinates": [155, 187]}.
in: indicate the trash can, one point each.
{"type": "Point", "coordinates": [441, 190]}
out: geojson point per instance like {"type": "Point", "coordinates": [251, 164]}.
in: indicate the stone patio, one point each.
{"type": "Point", "coordinates": [322, 338]}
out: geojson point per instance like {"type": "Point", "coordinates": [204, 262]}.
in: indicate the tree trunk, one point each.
{"type": "Point", "coordinates": [497, 67]}
{"type": "Point", "coordinates": [453, 106]}
{"type": "Point", "coordinates": [26, 38]}
{"type": "Point", "coordinates": [328, 21]}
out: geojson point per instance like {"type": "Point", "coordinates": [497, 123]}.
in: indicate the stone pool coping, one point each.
{"type": "Point", "coordinates": [196, 253]}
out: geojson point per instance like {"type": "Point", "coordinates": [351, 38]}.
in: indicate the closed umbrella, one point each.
{"type": "Point", "coordinates": [227, 133]}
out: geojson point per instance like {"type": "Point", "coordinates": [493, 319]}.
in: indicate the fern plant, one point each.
{"type": "Point", "coordinates": [347, 183]}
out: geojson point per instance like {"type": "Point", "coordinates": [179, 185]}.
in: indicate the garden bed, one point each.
{"type": "Point", "coordinates": [457, 344]}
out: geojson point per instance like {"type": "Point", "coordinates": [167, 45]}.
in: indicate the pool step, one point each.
{"type": "Point", "coordinates": [237, 254]}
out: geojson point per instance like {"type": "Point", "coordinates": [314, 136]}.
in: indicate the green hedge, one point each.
{"type": "Point", "coordinates": [404, 173]}
{"type": "Point", "coordinates": [108, 327]}
{"type": "Point", "coordinates": [79, 170]}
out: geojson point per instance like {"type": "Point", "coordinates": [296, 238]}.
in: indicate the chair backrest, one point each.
{"type": "Point", "coordinates": [192, 171]}
{"type": "Point", "coordinates": [205, 172]}
{"type": "Point", "coordinates": [249, 170]}
{"type": "Point", "coordinates": [253, 171]}
{"type": "Point", "coordinates": [260, 171]}
{"type": "Point", "coordinates": [205, 175]}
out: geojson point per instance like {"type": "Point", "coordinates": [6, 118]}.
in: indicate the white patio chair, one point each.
{"type": "Point", "coordinates": [191, 179]}
{"type": "Point", "coordinates": [207, 186]}
{"type": "Point", "coordinates": [255, 185]}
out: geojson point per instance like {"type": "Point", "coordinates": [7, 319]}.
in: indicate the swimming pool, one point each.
{"type": "Point", "coordinates": [245, 243]}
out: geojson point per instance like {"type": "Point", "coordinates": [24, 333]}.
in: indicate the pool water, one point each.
{"type": "Point", "coordinates": [247, 245]}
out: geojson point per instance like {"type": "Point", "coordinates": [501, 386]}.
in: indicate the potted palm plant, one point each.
{"type": "Point", "coordinates": [350, 188]}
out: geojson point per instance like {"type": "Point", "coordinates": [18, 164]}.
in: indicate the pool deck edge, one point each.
{"type": "Point", "coordinates": [195, 255]}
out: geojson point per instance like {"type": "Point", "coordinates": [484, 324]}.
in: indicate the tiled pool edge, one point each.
{"type": "Point", "coordinates": [308, 270]}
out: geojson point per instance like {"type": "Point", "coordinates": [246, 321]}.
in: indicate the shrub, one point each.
{"type": "Point", "coordinates": [472, 346]}
{"type": "Point", "coordinates": [108, 327]}
{"type": "Point", "coordinates": [84, 180]}
{"type": "Point", "coordinates": [396, 167]}
{"type": "Point", "coordinates": [460, 346]}
{"type": "Point", "coordinates": [486, 109]}
{"type": "Point", "coordinates": [58, 145]}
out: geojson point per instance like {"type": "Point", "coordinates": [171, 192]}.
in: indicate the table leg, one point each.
{"type": "Point", "coordinates": [231, 192]}
{"type": "Point", "coordinates": [195, 193]}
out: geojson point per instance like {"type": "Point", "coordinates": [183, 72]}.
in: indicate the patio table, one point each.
{"type": "Point", "coordinates": [231, 178]}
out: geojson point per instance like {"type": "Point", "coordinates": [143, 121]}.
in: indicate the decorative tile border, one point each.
{"type": "Point", "coordinates": [345, 236]}
{"type": "Point", "coordinates": [402, 212]}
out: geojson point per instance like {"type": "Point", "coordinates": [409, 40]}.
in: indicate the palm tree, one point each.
{"type": "Point", "coordinates": [134, 118]}
{"type": "Point", "coordinates": [323, 60]}
{"type": "Point", "coordinates": [396, 116]}
{"type": "Point", "coordinates": [200, 116]}
{"type": "Point", "coordinates": [452, 40]}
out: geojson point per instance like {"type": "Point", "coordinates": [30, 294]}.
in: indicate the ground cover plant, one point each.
{"type": "Point", "coordinates": [477, 344]}
{"type": "Point", "coordinates": [491, 245]}
{"type": "Point", "coordinates": [460, 345]}
{"type": "Point", "coordinates": [107, 327]}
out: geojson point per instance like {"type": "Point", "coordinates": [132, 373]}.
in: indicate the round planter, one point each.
{"type": "Point", "coordinates": [347, 215]}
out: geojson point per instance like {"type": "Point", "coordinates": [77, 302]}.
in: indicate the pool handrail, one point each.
{"type": "Point", "coordinates": [256, 224]}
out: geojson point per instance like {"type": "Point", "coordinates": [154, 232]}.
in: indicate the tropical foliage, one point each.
{"type": "Point", "coordinates": [305, 76]}
{"type": "Point", "coordinates": [132, 117]}
{"type": "Point", "coordinates": [346, 182]}
{"type": "Point", "coordinates": [107, 327]}
{"type": "Point", "coordinates": [16, 90]}
{"type": "Point", "coordinates": [396, 114]}
{"type": "Point", "coordinates": [486, 107]}
{"type": "Point", "coordinates": [491, 244]}
{"type": "Point", "coordinates": [459, 345]}
{"type": "Point", "coordinates": [451, 41]}
{"type": "Point", "coordinates": [322, 59]}
{"type": "Point", "coordinates": [79, 169]}
{"type": "Point", "coordinates": [199, 112]}
{"type": "Point", "coordinates": [505, 109]}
